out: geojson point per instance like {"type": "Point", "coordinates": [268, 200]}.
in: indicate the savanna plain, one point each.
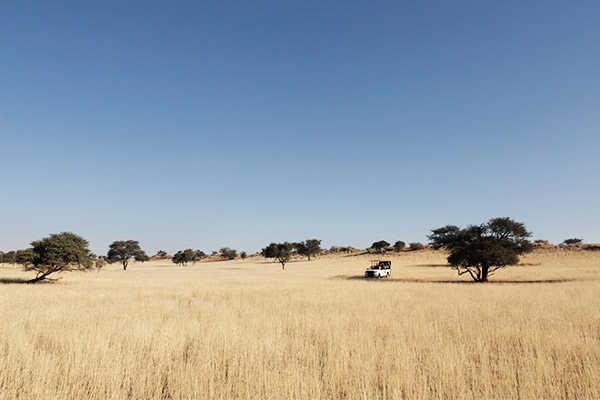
{"type": "Point", "coordinates": [246, 329]}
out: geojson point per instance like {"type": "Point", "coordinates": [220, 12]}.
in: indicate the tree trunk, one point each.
{"type": "Point", "coordinates": [38, 278]}
{"type": "Point", "coordinates": [124, 265]}
{"type": "Point", "coordinates": [484, 273]}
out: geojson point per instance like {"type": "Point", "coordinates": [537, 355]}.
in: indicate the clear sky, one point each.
{"type": "Point", "coordinates": [206, 124]}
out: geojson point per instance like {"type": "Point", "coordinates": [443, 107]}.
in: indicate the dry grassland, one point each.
{"type": "Point", "coordinates": [248, 330]}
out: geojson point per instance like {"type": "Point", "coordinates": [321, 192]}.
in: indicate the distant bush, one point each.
{"type": "Point", "coordinates": [399, 245]}
{"type": "Point", "coordinates": [199, 255]}
{"type": "Point", "coordinates": [182, 257]}
{"type": "Point", "coordinates": [228, 253]}
{"type": "Point", "coordinates": [592, 247]}
{"type": "Point", "coordinates": [8, 257]}
{"type": "Point", "coordinates": [280, 251]}
{"type": "Point", "coordinates": [541, 244]}
{"type": "Point", "coordinates": [343, 249]}
{"type": "Point", "coordinates": [417, 246]}
{"type": "Point", "coordinates": [142, 257]}
{"type": "Point", "coordinates": [308, 248]}
{"type": "Point", "coordinates": [572, 241]}
{"type": "Point", "coordinates": [160, 255]}
{"type": "Point", "coordinates": [380, 246]}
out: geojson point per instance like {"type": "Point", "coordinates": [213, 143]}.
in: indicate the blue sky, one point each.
{"type": "Point", "coordinates": [206, 124]}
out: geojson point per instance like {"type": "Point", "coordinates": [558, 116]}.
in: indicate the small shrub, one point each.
{"type": "Point", "coordinates": [399, 246]}
{"type": "Point", "coordinates": [228, 253]}
{"type": "Point", "coordinates": [572, 241]}
{"type": "Point", "coordinates": [417, 246]}
{"type": "Point", "coordinates": [380, 246]}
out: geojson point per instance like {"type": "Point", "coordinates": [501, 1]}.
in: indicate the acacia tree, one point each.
{"type": "Point", "coordinates": [161, 254]}
{"type": "Point", "coordinates": [571, 241]}
{"type": "Point", "coordinates": [399, 246]}
{"type": "Point", "coordinates": [58, 252]}
{"type": "Point", "coordinates": [198, 255]}
{"type": "Point", "coordinates": [281, 251]}
{"type": "Point", "coordinates": [123, 251]}
{"type": "Point", "coordinates": [380, 246]}
{"type": "Point", "coordinates": [142, 257]}
{"type": "Point", "coordinates": [479, 250]}
{"type": "Point", "coordinates": [182, 257]}
{"type": "Point", "coordinates": [308, 248]}
{"type": "Point", "coordinates": [228, 253]}
{"type": "Point", "coordinates": [416, 246]}
{"type": "Point", "coordinates": [9, 257]}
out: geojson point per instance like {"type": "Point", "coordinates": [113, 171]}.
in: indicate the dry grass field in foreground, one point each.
{"type": "Point", "coordinates": [248, 330]}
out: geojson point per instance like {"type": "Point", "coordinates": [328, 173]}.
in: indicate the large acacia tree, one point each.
{"type": "Point", "coordinates": [480, 250]}
{"type": "Point", "coordinates": [58, 252]}
{"type": "Point", "coordinates": [123, 251]}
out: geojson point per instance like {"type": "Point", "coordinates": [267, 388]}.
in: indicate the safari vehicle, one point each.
{"type": "Point", "coordinates": [379, 269]}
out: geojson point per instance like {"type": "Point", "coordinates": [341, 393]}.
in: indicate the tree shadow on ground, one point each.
{"type": "Point", "coordinates": [14, 281]}
{"type": "Point", "coordinates": [465, 282]}
{"type": "Point", "coordinates": [433, 265]}
{"type": "Point", "coordinates": [21, 281]}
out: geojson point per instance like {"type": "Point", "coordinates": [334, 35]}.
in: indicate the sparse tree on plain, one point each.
{"type": "Point", "coordinates": [380, 246]}
{"type": "Point", "coordinates": [161, 255]}
{"type": "Point", "coordinates": [228, 253]}
{"type": "Point", "coordinates": [198, 255]}
{"type": "Point", "coordinates": [182, 257]}
{"type": "Point", "coordinates": [123, 251]}
{"type": "Point", "coordinates": [399, 246]}
{"type": "Point", "coordinates": [572, 241]}
{"type": "Point", "coordinates": [416, 246]}
{"type": "Point", "coordinates": [58, 252]}
{"type": "Point", "coordinates": [9, 257]}
{"type": "Point", "coordinates": [308, 248]}
{"type": "Point", "coordinates": [479, 250]}
{"type": "Point", "coordinates": [141, 257]}
{"type": "Point", "coordinates": [280, 251]}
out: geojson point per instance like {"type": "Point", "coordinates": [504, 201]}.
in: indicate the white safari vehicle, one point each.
{"type": "Point", "coordinates": [379, 269]}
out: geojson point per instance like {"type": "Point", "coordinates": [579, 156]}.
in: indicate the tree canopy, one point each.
{"type": "Point", "coordinates": [380, 245]}
{"type": "Point", "coordinates": [479, 250]}
{"type": "Point", "coordinates": [123, 251]}
{"type": "Point", "coordinates": [58, 252]}
{"type": "Point", "coordinates": [399, 245]}
{"type": "Point", "coordinates": [161, 254]}
{"type": "Point", "coordinates": [228, 253]}
{"type": "Point", "coordinates": [9, 257]}
{"type": "Point", "coordinates": [182, 257]}
{"type": "Point", "coordinates": [308, 248]}
{"type": "Point", "coordinates": [280, 251]}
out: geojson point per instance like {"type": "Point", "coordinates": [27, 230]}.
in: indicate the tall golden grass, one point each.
{"type": "Point", "coordinates": [248, 330]}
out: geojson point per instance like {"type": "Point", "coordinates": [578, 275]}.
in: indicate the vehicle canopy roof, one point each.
{"type": "Point", "coordinates": [379, 264]}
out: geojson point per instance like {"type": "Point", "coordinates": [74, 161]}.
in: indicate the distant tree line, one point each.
{"type": "Point", "coordinates": [183, 257]}
{"type": "Point", "coordinates": [478, 250]}
{"type": "Point", "coordinates": [282, 252]}
{"type": "Point", "coordinates": [382, 246]}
